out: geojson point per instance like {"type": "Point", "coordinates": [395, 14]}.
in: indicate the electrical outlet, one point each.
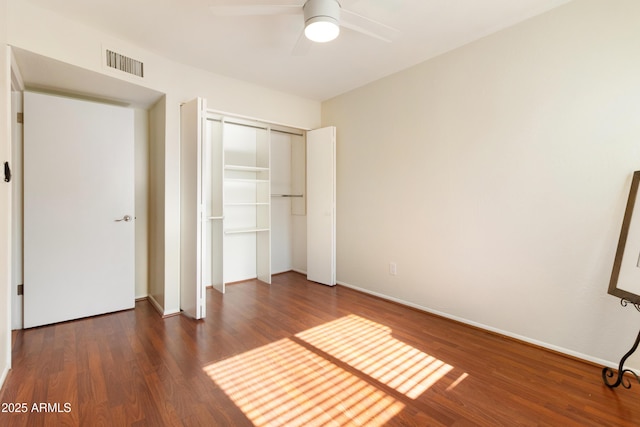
{"type": "Point", "coordinates": [393, 268]}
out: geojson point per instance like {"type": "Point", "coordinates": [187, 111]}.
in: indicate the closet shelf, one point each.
{"type": "Point", "coordinates": [246, 180]}
{"type": "Point", "coordinates": [245, 168]}
{"type": "Point", "coordinates": [245, 230]}
{"type": "Point", "coordinates": [247, 204]}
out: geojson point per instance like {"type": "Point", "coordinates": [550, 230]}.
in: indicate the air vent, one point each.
{"type": "Point", "coordinates": [124, 63]}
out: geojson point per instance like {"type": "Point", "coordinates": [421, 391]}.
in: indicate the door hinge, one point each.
{"type": "Point", "coordinates": [20, 117]}
{"type": "Point", "coordinates": [20, 289]}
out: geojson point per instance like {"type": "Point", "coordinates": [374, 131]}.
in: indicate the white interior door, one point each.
{"type": "Point", "coordinates": [78, 209]}
{"type": "Point", "coordinates": [321, 202]}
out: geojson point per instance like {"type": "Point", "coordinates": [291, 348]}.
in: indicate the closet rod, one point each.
{"type": "Point", "coordinates": [253, 123]}
{"type": "Point", "coordinates": [287, 132]}
{"type": "Point", "coordinates": [287, 195]}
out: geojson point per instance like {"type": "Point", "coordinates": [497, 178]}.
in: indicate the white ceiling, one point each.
{"type": "Point", "coordinates": [258, 49]}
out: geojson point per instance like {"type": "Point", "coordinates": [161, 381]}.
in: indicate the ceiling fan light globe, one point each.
{"type": "Point", "coordinates": [321, 29]}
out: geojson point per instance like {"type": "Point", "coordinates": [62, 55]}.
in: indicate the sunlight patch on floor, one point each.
{"type": "Point", "coordinates": [283, 383]}
{"type": "Point", "coordinates": [299, 381]}
{"type": "Point", "coordinates": [370, 348]}
{"type": "Point", "coordinates": [458, 381]}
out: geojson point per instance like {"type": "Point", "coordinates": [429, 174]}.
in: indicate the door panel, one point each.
{"type": "Point", "coordinates": [192, 128]}
{"type": "Point", "coordinates": [78, 190]}
{"type": "Point", "coordinates": [321, 197]}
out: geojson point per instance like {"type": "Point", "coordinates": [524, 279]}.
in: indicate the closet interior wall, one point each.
{"type": "Point", "coordinates": [288, 202]}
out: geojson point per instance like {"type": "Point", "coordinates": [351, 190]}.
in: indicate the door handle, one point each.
{"type": "Point", "coordinates": [125, 218]}
{"type": "Point", "coordinates": [7, 172]}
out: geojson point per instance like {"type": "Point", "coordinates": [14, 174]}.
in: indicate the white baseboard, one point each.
{"type": "Point", "coordinates": [528, 340]}
{"type": "Point", "coordinates": [160, 309]}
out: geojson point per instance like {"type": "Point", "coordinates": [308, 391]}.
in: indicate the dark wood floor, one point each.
{"type": "Point", "coordinates": [298, 353]}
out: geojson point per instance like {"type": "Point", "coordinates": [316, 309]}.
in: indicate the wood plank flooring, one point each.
{"type": "Point", "coordinates": [298, 353]}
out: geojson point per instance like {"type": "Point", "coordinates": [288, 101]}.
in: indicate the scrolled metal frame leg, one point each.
{"type": "Point", "coordinates": [608, 373]}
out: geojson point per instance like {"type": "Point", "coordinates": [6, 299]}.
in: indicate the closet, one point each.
{"type": "Point", "coordinates": [243, 203]}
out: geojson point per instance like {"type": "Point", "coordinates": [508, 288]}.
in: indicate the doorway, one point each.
{"type": "Point", "coordinates": [45, 74]}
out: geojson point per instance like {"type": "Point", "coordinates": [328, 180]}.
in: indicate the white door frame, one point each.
{"type": "Point", "coordinates": [17, 87]}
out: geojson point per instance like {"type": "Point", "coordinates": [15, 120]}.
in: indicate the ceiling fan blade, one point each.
{"type": "Point", "coordinates": [256, 10]}
{"type": "Point", "coordinates": [302, 45]}
{"type": "Point", "coordinates": [369, 27]}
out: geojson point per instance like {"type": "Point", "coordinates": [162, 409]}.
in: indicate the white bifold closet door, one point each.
{"type": "Point", "coordinates": [78, 209]}
{"type": "Point", "coordinates": [321, 205]}
{"type": "Point", "coordinates": [193, 131]}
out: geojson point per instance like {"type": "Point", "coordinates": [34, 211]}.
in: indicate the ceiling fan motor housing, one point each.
{"type": "Point", "coordinates": [321, 10]}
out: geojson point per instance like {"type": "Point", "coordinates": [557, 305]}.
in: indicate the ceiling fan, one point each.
{"type": "Point", "coordinates": [322, 20]}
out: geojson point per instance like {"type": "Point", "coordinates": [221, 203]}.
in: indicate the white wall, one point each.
{"type": "Point", "coordinates": [496, 177]}
{"type": "Point", "coordinates": [48, 34]}
{"type": "Point", "coordinates": [5, 199]}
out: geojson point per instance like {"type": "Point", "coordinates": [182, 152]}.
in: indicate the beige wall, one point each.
{"type": "Point", "coordinates": [496, 177]}
{"type": "Point", "coordinates": [5, 199]}
{"type": "Point", "coordinates": [141, 158]}
{"type": "Point", "coordinates": [156, 202]}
